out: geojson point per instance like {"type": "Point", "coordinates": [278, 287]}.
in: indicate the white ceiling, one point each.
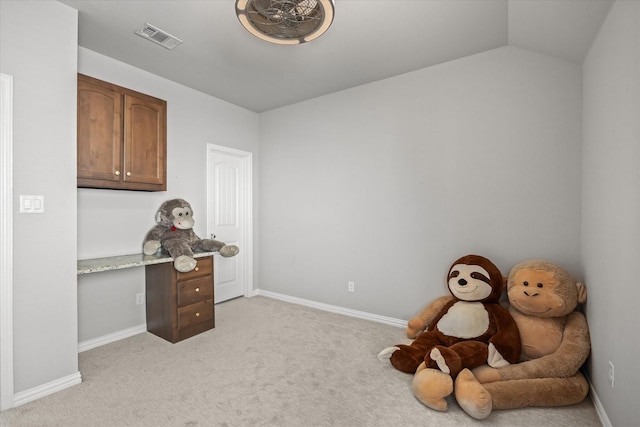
{"type": "Point", "coordinates": [369, 40]}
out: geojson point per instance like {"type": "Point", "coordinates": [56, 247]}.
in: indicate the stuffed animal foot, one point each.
{"type": "Point", "coordinates": [495, 359]}
{"type": "Point", "coordinates": [151, 247]}
{"type": "Point", "coordinates": [229, 251]}
{"type": "Point", "coordinates": [431, 387]}
{"type": "Point", "coordinates": [472, 397]}
{"type": "Point", "coordinates": [402, 357]}
{"type": "Point", "coordinates": [184, 263]}
{"type": "Point", "coordinates": [387, 352]}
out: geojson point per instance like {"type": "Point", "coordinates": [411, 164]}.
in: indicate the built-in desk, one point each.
{"type": "Point", "coordinates": [178, 305]}
{"type": "Point", "coordinates": [95, 265]}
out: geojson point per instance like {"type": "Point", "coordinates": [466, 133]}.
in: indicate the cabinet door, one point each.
{"type": "Point", "coordinates": [144, 141]}
{"type": "Point", "coordinates": [99, 132]}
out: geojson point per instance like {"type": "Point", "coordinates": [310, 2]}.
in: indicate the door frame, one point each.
{"type": "Point", "coordinates": [246, 242]}
{"type": "Point", "coordinates": [6, 246]}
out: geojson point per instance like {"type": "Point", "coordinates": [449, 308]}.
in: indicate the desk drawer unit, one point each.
{"type": "Point", "coordinates": [180, 305]}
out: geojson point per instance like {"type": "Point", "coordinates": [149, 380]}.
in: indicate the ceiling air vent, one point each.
{"type": "Point", "coordinates": [158, 36]}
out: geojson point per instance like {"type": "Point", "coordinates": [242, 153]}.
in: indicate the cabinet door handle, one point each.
{"type": "Point", "coordinates": [117, 173]}
{"type": "Point", "coordinates": [128, 173]}
{"type": "Point", "coordinates": [197, 289]}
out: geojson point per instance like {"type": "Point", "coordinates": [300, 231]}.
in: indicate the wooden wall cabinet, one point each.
{"type": "Point", "coordinates": [180, 305]}
{"type": "Point", "coordinates": [122, 137]}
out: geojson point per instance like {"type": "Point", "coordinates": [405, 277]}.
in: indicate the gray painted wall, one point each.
{"type": "Point", "coordinates": [43, 67]}
{"type": "Point", "coordinates": [388, 183]}
{"type": "Point", "coordinates": [611, 209]}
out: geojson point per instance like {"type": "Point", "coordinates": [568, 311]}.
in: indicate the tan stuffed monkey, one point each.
{"type": "Point", "coordinates": [555, 344]}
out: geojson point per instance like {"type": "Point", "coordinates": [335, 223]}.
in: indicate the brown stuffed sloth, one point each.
{"type": "Point", "coordinates": [470, 329]}
{"type": "Point", "coordinates": [555, 344]}
{"type": "Point", "coordinates": [174, 234]}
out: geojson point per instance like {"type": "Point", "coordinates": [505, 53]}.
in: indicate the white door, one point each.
{"type": "Point", "coordinates": [229, 218]}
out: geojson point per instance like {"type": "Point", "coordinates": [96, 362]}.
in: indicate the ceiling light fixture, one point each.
{"type": "Point", "coordinates": [285, 21]}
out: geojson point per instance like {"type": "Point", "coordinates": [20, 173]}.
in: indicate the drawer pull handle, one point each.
{"type": "Point", "coordinates": [197, 289]}
{"type": "Point", "coordinates": [198, 314]}
{"type": "Point", "coordinates": [197, 269]}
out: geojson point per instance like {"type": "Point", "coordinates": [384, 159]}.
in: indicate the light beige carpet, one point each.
{"type": "Point", "coordinates": [267, 363]}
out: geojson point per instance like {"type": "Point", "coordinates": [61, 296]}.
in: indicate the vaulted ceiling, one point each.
{"type": "Point", "coordinates": [369, 40]}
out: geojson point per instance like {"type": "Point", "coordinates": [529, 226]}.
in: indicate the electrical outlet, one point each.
{"type": "Point", "coordinates": [611, 373]}
{"type": "Point", "coordinates": [139, 299]}
{"type": "Point", "coordinates": [351, 286]}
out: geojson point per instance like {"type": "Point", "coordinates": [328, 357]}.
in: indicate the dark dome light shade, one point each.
{"type": "Point", "coordinates": [285, 21]}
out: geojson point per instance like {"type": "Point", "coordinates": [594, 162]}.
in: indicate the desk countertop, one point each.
{"type": "Point", "coordinates": [95, 265]}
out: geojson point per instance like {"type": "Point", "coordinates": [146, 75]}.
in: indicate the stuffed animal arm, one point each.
{"type": "Point", "coordinates": [495, 359]}
{"type": "Point", "coordinates": [419, 323]}
{"type": "Point", "coordinates": [564, 362]}
{"type": "Point", "coordinates": [152, 240]}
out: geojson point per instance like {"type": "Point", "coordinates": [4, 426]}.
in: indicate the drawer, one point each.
{"type": "Point", "coordinates": [195, 313]}
{"type": "Point", "coordinates": [190, 291]}
{"type": "Point", "coordinates": [204, 267]}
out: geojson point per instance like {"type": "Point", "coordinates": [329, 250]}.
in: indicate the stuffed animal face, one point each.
{"type": "Point", "coordinates": [541, 289]}
{"type": "Point", "coordinates": [182, 218]}
{"type": "Point", "coordinates": [175, 213]}
{"type": "Point", "coordinates": [475, 278]}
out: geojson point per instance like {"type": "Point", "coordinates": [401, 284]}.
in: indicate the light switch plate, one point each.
{"type": "Point", "coordinates": [31, 204]}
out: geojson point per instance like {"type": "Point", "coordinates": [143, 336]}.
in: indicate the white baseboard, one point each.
{"type": "Point", "coordinates": [109, 338]}
{"type": "Point", "coordinates": [51, 387]}
{"type": "Point", "coordinates": [135, 330]}
{"type": "Point", "coordinates": [604, 419]}
{"type": "Point", "coordinates": [43, 390]}
{"type": "Point", "coordinates": [333, 308]}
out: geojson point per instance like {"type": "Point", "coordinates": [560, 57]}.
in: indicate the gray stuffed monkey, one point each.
{"type": "Point", "coordinates": [174, 234]}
